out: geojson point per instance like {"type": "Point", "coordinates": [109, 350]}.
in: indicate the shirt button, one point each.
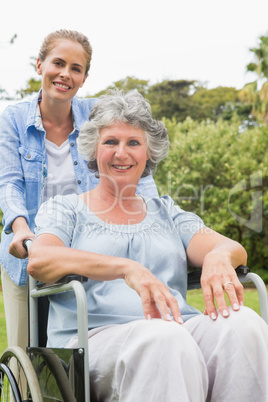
{"type": "Point", "coordinates": [79, 181]}
{"type": "Point", "coordinates": [72, 144]}
{"type": "Point", "coordinates": [28, 156]}
{"type": "Point", "coordinates": [75, 162]}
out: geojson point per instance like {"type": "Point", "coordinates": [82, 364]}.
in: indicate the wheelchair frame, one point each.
{"type": "Point", "coordinates": [74, 283]}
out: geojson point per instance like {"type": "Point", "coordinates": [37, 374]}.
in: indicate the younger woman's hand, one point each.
{"type": "Point", "coordinates": [157, 301]}
{"type": "Point", "coordinates": [16, 246]}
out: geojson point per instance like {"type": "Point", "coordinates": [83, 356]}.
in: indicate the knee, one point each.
{"type": "Point", "coordinates": [243, 325]}
{"type": "Point", "coordinates": [161, 338]}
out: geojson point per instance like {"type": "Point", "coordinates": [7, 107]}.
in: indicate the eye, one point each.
{"type": "Point", "coordinates": [110, 142]}
{"type": "Point", "coordinates": [58, 63]}
{"type": "Point", "coordinates": [134, 143]}
{"type": "Point", "coordinates": [77, 69]}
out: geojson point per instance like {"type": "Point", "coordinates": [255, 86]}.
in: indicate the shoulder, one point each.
{"type": "Point", "coordinates": [19, 111]}
{"type": "Point", "coordinates": [166, 206]}
{"type": "Point", "coordinates": [60, 210]}
{"type": "Point", "coordinates": [64, 203]}
{"type": "Point", "coordinates": [165, 203]}
{"type": "Point", "coordinates": [83, 105]}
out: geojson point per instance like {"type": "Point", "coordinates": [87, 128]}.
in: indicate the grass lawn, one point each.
{"type": "Point", "coordinates": [194, 297]}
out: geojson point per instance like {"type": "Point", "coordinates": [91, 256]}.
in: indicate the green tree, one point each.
{"type": "Point", "coordinates": [221, 174]}
{"type": "Point", "coordinates": [260, 65]}
{"type": "Point", "coordinates": [33, 85]}
{"type": "Point", "coordinates": [259, 99]}
{"type": "Point", "coordinates": [171, 99]}
{"type": "Point", "coordinates": [127, 84]}
{"type": "Point", "coordinates": [217, 102]}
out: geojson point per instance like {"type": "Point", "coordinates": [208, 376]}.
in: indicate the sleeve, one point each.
{"type": "Point", "coordinates": [186, 223]}
{"type": "Point", "coordinates": [57, 216]}
{"type": "Point", "coordinates": [12, 201]}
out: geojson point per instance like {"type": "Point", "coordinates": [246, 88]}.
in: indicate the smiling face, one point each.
{"type": "Point", "coordinates": [121, 155]}
{"type": "Point", "coordinates": [63, 70]}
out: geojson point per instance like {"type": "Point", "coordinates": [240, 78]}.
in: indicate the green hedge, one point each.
{"type": "Point", "coordinates": [220, 172]}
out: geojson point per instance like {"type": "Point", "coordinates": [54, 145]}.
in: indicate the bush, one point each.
{"type": "Point", "coordinates": [221, 173]}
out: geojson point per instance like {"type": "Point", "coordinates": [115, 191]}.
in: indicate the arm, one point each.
{"type": "Point", "coordinates": [218, 256]}
{"type": "Point", "coordinates": [50, 260]}
{"type": "Point", "coordinates": [12, 201]}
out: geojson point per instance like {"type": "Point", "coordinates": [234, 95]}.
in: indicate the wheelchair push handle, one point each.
{"type": "Point", "coordinates": [27, 244]}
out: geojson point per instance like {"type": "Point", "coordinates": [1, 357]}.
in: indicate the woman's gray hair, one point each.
{"type": "Point", "coordinates": [130, 108]}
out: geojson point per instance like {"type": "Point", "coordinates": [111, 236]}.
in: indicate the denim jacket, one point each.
{"type": "Point", "coordinates": [23, 162]}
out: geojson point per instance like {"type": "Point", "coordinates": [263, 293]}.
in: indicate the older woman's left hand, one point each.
{"type": "Point", "coordinates": [219, 278]}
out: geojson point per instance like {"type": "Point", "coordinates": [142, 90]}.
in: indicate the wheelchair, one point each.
{"type": "Point", "coordinates": [46, 375]}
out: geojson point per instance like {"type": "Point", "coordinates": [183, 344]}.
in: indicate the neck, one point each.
{"type": "Point", "coordinates": [55, 112]}
{"type": "Point", "coordinates": [112, 209]}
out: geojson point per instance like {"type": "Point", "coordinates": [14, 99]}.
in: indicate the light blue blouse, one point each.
{"type": "Point", "coordinates": [159, 243]}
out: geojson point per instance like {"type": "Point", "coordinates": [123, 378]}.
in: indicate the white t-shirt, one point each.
{"type": "Point", "coordinates": [60, 172]}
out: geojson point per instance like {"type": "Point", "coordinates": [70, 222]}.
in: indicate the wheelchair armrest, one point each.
{"type": "Point", "coordinates": [63, 281]}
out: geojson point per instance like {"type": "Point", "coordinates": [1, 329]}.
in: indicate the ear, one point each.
{"type": "Point", "coordinates": [85, 77]}
{"type": "Point", "coordinates": [39, 67]}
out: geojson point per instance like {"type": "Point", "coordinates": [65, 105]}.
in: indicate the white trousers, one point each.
{"type": "Point", "coordinates": [16, 311]}
{"type": "Point", "coordinates": [202, 360]}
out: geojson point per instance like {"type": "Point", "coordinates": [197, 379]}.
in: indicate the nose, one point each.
{"type": "Point", "coordinates": [121, 151]}
{"type": "Point", "coordinates": [65, 73]}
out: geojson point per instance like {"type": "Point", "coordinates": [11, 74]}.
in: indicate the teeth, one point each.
{"type": "Point", "coordinates": [122, 167]}
{"type": "Point", "coordinates": [62, 86]}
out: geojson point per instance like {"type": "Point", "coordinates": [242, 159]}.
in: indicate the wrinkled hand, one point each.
{"type": "Point", "coordinates": [16, 246]}
{"type": "Point", "coordinates": [157, 301]}
{"type": "Point", "coordinates": [219, 277]}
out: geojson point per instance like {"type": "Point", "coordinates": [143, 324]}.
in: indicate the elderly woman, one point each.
{"type": "Point", "coordinates": [145, 341]}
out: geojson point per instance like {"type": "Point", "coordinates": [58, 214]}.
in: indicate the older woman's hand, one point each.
{"type": "Point", "coordinates": [156, 298]}
{"type": "Point", "coordinates": [219, 277]}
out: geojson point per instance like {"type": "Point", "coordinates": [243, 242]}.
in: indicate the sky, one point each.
{"type": "Point", "coordinates": [155, 40]}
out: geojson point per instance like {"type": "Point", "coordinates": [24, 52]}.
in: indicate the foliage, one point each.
{"type": "Point", "coordinates": [33, 85]}
{"type": "Point", "coordinates": [171, 99]}
{"type": "Point", "coordinates": [181, 99]}
{"type": "Point", "coordinates": [217, 102]}
{"type": "Point", "coordinates": [258, 99]}
{"type": "Point", "coordinates": [260, 66]}
{"type": "Point", "coordinates": [126, 85]}
{"type": "Point", "coordinates": [221, 174]}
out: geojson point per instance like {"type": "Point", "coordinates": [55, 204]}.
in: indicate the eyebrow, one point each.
{"type": "Point", "coordinates": [73, 64]}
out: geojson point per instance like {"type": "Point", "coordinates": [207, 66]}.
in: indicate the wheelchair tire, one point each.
{"type": "Point", "coordinates": [56, 370]}
{"type": "Point", "coordinates": [18, 380]}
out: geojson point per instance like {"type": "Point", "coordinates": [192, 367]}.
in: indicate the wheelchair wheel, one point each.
{"type": "Point", "coordinates": [18, 381]}
{"type": "Point", "coordinates": [51, 371]}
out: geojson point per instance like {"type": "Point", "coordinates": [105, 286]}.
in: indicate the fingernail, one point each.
{"type": "Point", "coordinates": [235, 306]}
{"type": "Point", "coordinates": [180, 320]}
{"type": "Point", "coordinates": [241, 303]}
{"type": "Point", "coordinates": [213, 316]}
{"type": "Point", "coordinates": [149, 317]}
{"type": "Point", "coordinates": [168, 317]}
{"type": "Point", "coordinates": [225, 313]}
